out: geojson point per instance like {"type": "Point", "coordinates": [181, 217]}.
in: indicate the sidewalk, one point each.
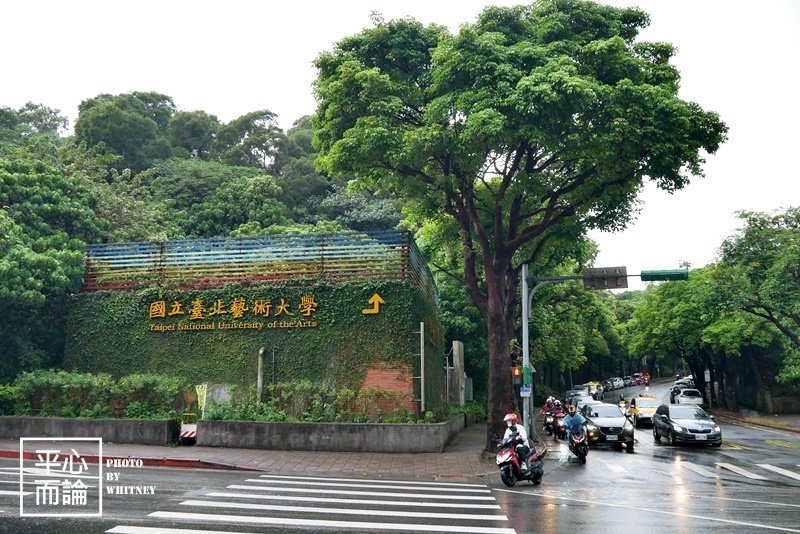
{"type": "Point", "coordinates": [788, 422]}
{"type": "Point", "coordinates": [461, 459]}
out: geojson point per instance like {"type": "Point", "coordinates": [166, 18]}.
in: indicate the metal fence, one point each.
{"type": "Point", "coordinates": [205, 263]}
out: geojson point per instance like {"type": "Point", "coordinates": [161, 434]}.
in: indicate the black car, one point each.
{"type": "Point", "coordinates": [607, 425]}
{"type": "Point", "coordinates": [686, 423]}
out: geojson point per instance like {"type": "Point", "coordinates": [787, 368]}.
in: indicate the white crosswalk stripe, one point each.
{"type": "Point", "coordinates": [354, 505]}
{"type": "Point", "coordinates": [700, 470]}
{"type": "Point", "coordinates": [780, 471]}
{"type": "Point", "coordinates": [741, 471]}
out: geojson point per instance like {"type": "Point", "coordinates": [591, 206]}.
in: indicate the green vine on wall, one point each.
{"type": "Point", "coordinates": [110, 332]}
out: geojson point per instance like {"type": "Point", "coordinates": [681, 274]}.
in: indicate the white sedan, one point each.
{"type": "Point", "coordinates": [689, 396]}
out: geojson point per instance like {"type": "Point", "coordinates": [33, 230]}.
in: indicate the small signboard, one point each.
{"type": "Point", "coordinates": [525, 391]}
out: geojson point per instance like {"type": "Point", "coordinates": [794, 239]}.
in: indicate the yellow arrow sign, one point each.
{"type": "Point", "coordinates": [376, 302]}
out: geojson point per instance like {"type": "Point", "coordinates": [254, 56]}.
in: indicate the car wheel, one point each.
{"type": "Point", "coordinates": [656, 436]}
{"type": "Point", "coordinates": [673, 440]}
{"type": "Point", "coordinates": [629, 448]}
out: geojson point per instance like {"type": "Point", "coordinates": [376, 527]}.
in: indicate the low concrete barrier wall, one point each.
{"type": "Point", "coordinates": [145, 432]}
{"type": "Point", "coordinates": [341, 437]}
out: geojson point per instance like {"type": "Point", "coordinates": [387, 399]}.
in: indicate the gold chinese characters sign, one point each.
{"type": "Point", "coordinates": [238, 314]}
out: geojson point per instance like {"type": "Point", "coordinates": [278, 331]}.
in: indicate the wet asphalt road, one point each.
{"type": "Point", "coordinates": [750, 484]}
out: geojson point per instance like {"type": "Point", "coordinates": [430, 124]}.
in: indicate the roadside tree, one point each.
{"type": "Point", "coordinates": [527, 119]}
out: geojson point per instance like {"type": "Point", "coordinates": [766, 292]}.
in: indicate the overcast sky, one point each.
{"type": "Point", "coordinates": [738, 58]}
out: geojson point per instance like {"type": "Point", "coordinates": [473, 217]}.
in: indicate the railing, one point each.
{"type": "Point", "coordinates": [204, 263]}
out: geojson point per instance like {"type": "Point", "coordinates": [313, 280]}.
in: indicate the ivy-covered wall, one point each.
{"type": "Point", "coordinates": [316, 331]}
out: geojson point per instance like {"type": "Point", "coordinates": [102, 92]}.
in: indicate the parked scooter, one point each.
{"type": "Point", "coordinates": [510, 463]}
{"type": "Point", "coordinates": [579, 445]}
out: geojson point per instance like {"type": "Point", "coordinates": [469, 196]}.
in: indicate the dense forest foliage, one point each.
{"type": "Point", "coordinates": [399, 144]}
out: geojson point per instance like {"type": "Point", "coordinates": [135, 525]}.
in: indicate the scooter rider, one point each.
{"type": "Point", "coordinates": [513, 427]}
{"type": "Point", "coordinates": [573, 421]}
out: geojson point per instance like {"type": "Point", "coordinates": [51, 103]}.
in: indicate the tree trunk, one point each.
{"type": "Point", "coordinates": [502, 398]}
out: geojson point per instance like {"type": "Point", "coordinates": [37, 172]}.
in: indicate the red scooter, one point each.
{"type": "Point", "coordinates": [510, 462]}
{"type": "Point", "coordinates": [559, 429]}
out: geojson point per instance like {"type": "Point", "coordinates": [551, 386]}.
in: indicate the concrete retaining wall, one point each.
{"type": "Point", "coordinates": [145, 432]}
{"type": "Point", "coordinates": [342, 437]}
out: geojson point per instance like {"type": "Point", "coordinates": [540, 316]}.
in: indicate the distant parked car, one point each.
{"type": "Point", "coordinates": [608, 385]}
{"type": "Point", "coordinates": [683, 423]}
{"type": "Point", "coordinates": [629, 381]}
{"type": "Point", "coordinates": [689, 396]}
{"type": "Point", "coordinates": [618, 383]}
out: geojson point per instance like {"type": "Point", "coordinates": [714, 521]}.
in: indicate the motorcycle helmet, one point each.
{"type": "Point", "coordinates": [511, 419]}
{"type": "Point", "coordinates": [571, 409]}
{"type": "Point", "coordinates": [557, 402]}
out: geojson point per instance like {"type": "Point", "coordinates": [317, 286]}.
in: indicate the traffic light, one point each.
{"type": "Point", "coordinates": [516, 374]}
{"type": "Point", "coordinates": [665, 274]}
{"type": "Point", "coordinates": [605, 278]}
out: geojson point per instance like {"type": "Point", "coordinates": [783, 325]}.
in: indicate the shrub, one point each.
{"type": "Point", "coordinates": [9, 399]}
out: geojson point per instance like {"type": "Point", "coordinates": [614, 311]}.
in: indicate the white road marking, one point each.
{"type": "Point", "coordinates": [317, 491]}
{"type": "Point", "coordinates": [741, 471]}
{"type": "Point", "coordinates": [780, 471]}
{"type": "Point", "coordinates": [319, 523]}
{"type": "Point", "coordinates": [700, 470]}
{"type": "Point", "coordinates": [416, 483]}
{"type": "Point", "coordinates": [345, 511]}
{"type": "Point", "coordinates": [374, 486]}
{"type": "Point", "coordinates": [127, 529]}
{"type": "Point", "coordinates": [356, 501]}
{"type": "Point", "coordinates": [18, 493]}
{"type": "Point", "coordinates": [653, 510]}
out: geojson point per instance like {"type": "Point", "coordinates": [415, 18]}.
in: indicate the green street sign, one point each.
{"type": "Point", "coordinates": [665, 274]}
{"type": "Point", "coordinates": [527, 375]}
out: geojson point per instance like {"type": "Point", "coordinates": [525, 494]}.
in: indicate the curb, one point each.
{"type": "Point", "coordinates": [192, 463]}
{"type": "Point", "coordinates": [728, 417]}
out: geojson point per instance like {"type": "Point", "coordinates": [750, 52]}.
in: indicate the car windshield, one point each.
{"type": "Point", "coordinates": [606, 410]}
{"type": "Point", "coordinates": [691, 393]}
{"type": "Point", "coordinates": [688, 412]}
{"type": "Point", "coordinates": [647, 403]}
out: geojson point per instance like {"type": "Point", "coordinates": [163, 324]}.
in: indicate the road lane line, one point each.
{"type": "Point", "coordinates": [741, 471]}
{"type": "Point", "coordinates": [17, 493]}
{"type": "Point", "coordinates": [374, 486]}
{"type": "Point", "coordinates": [651, 510]}
{"type": "Point", "coordinates": [344, 511]}
{"type": "Point", "coordinates": [129, 529]}
{"type": "Point", "coordinates": [320, 523]}
{"type": "Point", "coordinates": [700, 470]}
{"type": "Point", "coordinates": [355, 501]}
{"type": "Point", "coordinates": [416, 483]}
{"type": "Point", "coordinates": [780, 471]}
{"type": "Point", "coordinates": [317, 491]}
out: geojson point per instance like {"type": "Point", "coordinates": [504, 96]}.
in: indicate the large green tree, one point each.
{"type": "Point", "coordinates": [760, 274]}
{"type": "Point", "coordinates": [46, 219]}
{"type": "Point", "coordinates": [527, 118]}
{"type": "Point", "coordinates": [131, 125]}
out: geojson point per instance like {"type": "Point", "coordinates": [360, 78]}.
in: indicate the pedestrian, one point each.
{"type": "Point", "coordinates": [600, 392]}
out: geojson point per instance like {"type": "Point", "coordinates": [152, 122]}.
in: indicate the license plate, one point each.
{"type": "Point", "coordinates": [700, 437]}
{"type": "Point", "coordinates": [611, 438]}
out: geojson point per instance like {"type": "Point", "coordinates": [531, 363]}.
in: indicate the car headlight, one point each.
{"type": "Point", "coordinates": [716, 429]}
{"type": "Point", "coordinates": [677, 428]}
{"type": "Point", "coordinates": [627, 426]}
